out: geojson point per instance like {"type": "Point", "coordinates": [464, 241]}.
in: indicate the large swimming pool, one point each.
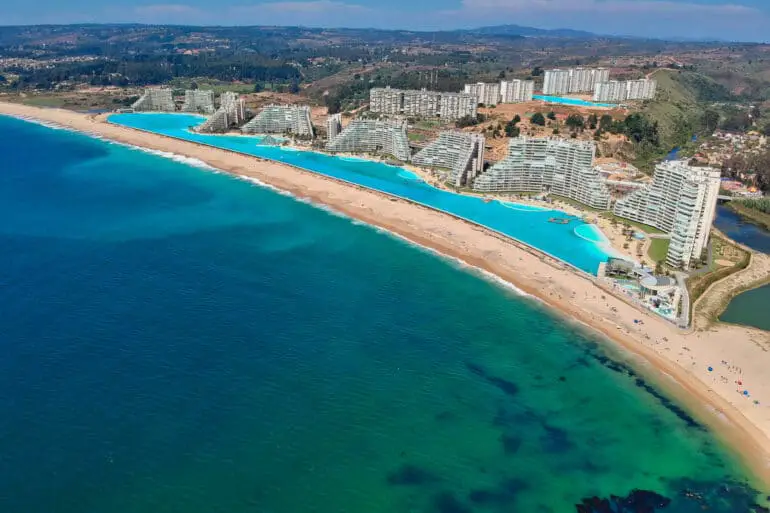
{"type": "Point", "coordinates": [567, 242]}
{"type": "Point", "coordinates": [570, 101]}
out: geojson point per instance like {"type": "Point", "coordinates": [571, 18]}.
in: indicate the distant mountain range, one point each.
{"type": "Point", "coordinates": [518, 30]}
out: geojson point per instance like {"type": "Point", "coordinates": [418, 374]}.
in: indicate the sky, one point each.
{"type": "Point", "coordinates": [735, 20]}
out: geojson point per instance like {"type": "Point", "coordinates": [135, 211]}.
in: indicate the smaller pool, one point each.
{"type": "Point", "coordinates": [570, 101]}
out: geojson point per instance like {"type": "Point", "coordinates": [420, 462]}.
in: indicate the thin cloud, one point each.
{"type": "Point", "coordinates": [609, 6]}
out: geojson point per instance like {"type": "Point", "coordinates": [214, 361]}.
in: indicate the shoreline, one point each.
{"type": "Point", "coordinates": [657, 348]}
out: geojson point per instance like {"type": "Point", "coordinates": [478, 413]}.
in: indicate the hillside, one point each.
{"type": "Point", "coordinates": [678, 108]}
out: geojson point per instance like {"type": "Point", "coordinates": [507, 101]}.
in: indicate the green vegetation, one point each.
{"type": "Point", "coordinates": [537, 119]}
{"type": "Point", "coordinates": [639, 226]}
{"type": "Point", "coordinates": [722, 249]}
{"type": "Point", "coordinates": [658, 249]}
{"type": "Point", "coordinates": [415, 136]}
{"type": "Point", "coordinates": [575, 121]}
{"type": "Point", "coordinates": [511, 130]}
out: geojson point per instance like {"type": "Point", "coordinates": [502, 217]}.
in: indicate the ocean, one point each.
{"type": "Point", "coordinates": [178, 340]}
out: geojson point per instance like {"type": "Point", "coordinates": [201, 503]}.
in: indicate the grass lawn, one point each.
{"type": "Point", "coordinates": [415, 136]}
{"type": "Point", "coordinates": [643, 227]}
{"type": "Point", "coordinates": [658, 249]}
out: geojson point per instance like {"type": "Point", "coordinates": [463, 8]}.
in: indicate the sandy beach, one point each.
{"type": "Point", "coordinates": [738, 357]}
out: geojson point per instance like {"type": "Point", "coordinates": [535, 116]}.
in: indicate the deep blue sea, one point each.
{"type": "Point", "coordinates": [176, 340]}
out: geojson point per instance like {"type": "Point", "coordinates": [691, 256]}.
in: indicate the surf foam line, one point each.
{"type": "Point", "coordinates": [458, 262]}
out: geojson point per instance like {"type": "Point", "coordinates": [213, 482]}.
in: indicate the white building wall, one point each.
{"type": "Point", "coordinates": [681, 201]}
{"type": "Point", "coordinates": [559, 166]}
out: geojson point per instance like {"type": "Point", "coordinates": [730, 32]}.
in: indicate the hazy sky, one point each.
{"type": "Point", "coordinates": [744, 20]}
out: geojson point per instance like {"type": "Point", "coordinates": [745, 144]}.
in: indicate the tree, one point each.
{"type": "Point", "coordinates": [258, 87]}
{"type": "Point", "coordinates": [592, 121]}
{"type": "Point", "coordinates": [556, 131]}
{"type": "Point", "coordinates": [537, 71]}
{"type": "Point", "coordinates": [710, 121]}
{"type": "Point", "coordinates": [294, 87]}
{"type": "Point", "coordinates": [193, 85]}
{"type": "Point", "coordinates": [466, 121]}
{"type": "Point", "coordinates": [501, 76]}
{"type": "Point", "coordinates": [575, 121]}
{"type": "Point", "coordinates": [766, 129]}
{"type": "Point", "coordinates": [537, 119]}
{"type": "Point", "coordinates": [551, 115]}
{"type": "Point", "coordinates": [333, 104]}
{"type": "Point", "coordinates": [605, 122]}
{"type": "Point", "coordinates": [517, 118]}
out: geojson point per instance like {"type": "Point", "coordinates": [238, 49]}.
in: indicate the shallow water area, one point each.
{"type": "Point", "coordinates": [526, 224]}
{"type": "Point", "coordinates": [180, 340]}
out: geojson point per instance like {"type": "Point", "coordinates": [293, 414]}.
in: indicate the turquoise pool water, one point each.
{"type": "Point", "coordinates": [569, 101]}
{"type": "Point", "coordinates": [527, 224]}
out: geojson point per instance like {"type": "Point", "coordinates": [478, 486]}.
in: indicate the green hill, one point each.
{"type": "Point", "coordinates": [678, 108]}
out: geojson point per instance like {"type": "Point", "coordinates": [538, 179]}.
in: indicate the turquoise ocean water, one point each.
{"type": "Point", "coordinates": [176, 340]}
{"type": "Point", "coordinates": [525, 223]}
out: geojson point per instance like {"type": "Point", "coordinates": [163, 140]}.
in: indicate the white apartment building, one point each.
{"type": "Point", "coordinates": [573, 80]}
{"type": "Point", "coordinates": [621, 90]}
{"type": "Point", "coordinates": [373, 136]}
{"type": "Point", "coordinates": [487, 94]}
{"type": "Point", "coordinates": [231, 112]}
{"type": "Point", "coordinates": [681, 201]}
{"type": "Point", "coordinates": [556, 81]}
{"type": "Point", "coordinates": [559, 166]}
{"type": "Point", "coordinates": [281, 119]}
{"type": "Point", "coordinates": [613, 91]}
{"type": "Point", "coordinates": [198, 100]}
{"type": "Point", "coordinates": [459, 154]}
{"type": "Point", "coordinates": [155, 99]}
{"type": "Point", "coordinates": [333, 126]}
{"type": "Point", "coordinates": [643, 89]}
{"type": "Point", "coordinates": [515, 91]}
{"type": "Point", "coordinates": [451, 106]}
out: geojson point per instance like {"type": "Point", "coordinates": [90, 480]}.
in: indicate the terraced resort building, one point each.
{"type": "Point", "coordinates": [373, 136]}
{"type": "Point", "coordinates": [281, 119]}
{"type": "Point", "coordinates": [155, 99]}
{"type": "Point", "coordinates": [231, 113]}
{"type": "Point", "coordinates": [459, 156]}
{"type": "Point", "coordinates": [199, 100]}
{"type": "Point", "coordinates": [681, 201]}
{"type": "Point", "coordinates": [545, 164]}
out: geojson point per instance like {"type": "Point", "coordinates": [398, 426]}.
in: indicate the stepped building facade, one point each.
{"type": "Point", "coordinates": [373, 136]}
{"type": "Point", "coordinates": [431, 104]}
{"type": "Point", "coordinates": [545, 164]}
{"type": "Point", "coordinates": [281, 119]}
{"type": "Point", "coordinates": [231, 113]}
{"type": "Point", "coordinates": [155, 99]}
{"type": "Point", "coordinates": [199, 101]}
{"type": "Point", "coordinates": [459, 155]}
{"type": "Point", "coordinates": [681, 201]}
